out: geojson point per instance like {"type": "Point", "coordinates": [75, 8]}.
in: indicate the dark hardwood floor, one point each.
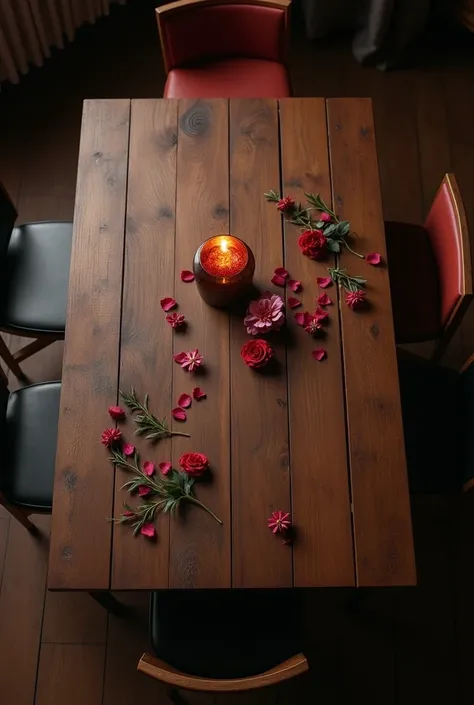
{"type": "Point", "coordinates": [391, 647]}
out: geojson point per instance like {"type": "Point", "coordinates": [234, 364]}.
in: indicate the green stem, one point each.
{"type": "Point", "coordinates": [179, 433]}
{"type": "Point", "coordinates": [203, 506]}
{"type": "Point", "coordinates": [353, 251]}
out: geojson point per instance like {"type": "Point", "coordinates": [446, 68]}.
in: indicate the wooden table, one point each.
{"type": "Point", "coordinates": [324, 440]}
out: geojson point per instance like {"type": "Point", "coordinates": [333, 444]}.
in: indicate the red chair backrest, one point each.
{"type": "Point", "coordinates": [195, 32]}
{"type": "Point", "coordinates": [447, 229]}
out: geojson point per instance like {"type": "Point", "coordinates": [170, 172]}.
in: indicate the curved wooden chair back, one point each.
{"type": "Point", "coordinates": [195, 30]}
{"type": "Point", "coordinates": [156, 668]}
{"type": "Point", "coordinates": [447, 228]}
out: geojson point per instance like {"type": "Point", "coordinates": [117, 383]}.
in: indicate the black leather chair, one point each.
{"type": "Point", "coordinates": [34, 274]}
{"type": "Point", "coordinates": [438, 421]}
{"type": "Point", "coordinates": [238, 639]}
{"type": "Point", "coordinates": [28, 438]}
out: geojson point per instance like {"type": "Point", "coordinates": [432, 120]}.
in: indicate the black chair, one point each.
{"type": "Point", "coordinates": [34, 274]}
{"type": "Point", "coordinates": [28, 437]}
{"type": "Point", "coordinates": [438, 421]}
{"type": "Point", "coordinates": [238, 640]}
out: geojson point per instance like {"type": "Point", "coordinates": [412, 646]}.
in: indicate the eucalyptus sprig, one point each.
{"type": "Point", "coordinates": [166, 492]}
{"type": "Point", "coordinates": [340, 276]}
{"type": "Point", "coordinates": [145, 420]}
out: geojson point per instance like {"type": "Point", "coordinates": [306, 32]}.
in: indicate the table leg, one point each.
{"type": "Point", "coordinates": [109, 602]}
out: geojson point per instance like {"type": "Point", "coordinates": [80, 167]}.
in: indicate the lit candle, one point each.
{"type": "Point", "coordinates": [223, 268]}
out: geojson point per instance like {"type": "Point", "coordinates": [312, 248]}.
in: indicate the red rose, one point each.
{"type": "Point", "coordinates": [194, 464]}
{"type": "Point", "coordinates": [355, 299]}
{"type": "Point", "coordinates": [313, 244]}
{"type": "Point", "coordinates": [286, 204]}
{"type": "Point", "coordinates": [256, 353]}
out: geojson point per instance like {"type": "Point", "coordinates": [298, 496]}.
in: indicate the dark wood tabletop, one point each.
{"type": "Point", "coordinates": [323, 440]}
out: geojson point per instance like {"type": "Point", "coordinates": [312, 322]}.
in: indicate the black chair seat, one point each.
{"type": "Point", "coordinates": [36, 278]}
{"type": "Point", "coordinates": [29, 445]}
{"type": "Point", "coordinates": [226, 633]}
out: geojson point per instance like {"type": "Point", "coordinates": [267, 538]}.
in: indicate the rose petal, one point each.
{"type": "Point", "coordinates": [148, 468]}
{"type": "Point", "coordinates": [143, 490]}
{"type": "Point", "coordinates": [293, 303]}
{"type": "Point", "coordinates": [180, 357]}
{"type": "Point", "coordinates": [167, 303]}
{"type": "Point", "coordinates": [278, 280]}
{"type": "Point", "coordinates": [199, 394]}
{"type": "Point", "coordinates": [300, 318]}
{"type": "Point", "coordinates": [319, 354]}
{"type": "Point", "coordinates": [187, 275]}
{"type": "Point", "coordinates": [281, 272]}
{"type": "Point", "coordinates": [185, 401]}
{"type": "Point", "coordinates": [165, 467]}
{"type": "Point", "coordinates": [128, 449]}
{"type": "Point", "coordinates": [116, 412]}
{"type": "Point", "coordinates": [148, 530]}
{"type": "Point", "coordinates": [294, 285]}
{"type": "Point", "coordinates": [374, 258]}
{"type": "Point", "coordinates": [321, 315]}
{"type": "Point", "coordinates": [324, 300]}
{"type": "Point", "coordinates": [179, 414]}
{"type": "Point", "coordinates": [324, 282]}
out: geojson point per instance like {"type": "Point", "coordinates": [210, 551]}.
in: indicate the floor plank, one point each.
{"type": "Point", "coordinates": [73, 618]}
{"type": "Point", "coordinates": [4, 528]}
{"type": "Point", "coordinates": [70, 673]}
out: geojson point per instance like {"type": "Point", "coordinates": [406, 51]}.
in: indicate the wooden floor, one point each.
{"type": "Point", "coordinates": [385, 648]}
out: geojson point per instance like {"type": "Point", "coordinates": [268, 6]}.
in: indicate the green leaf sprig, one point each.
{"type": "Point", "coordinates": [340, 276]}
{"type": "Point", "coordinates": [146, 422]}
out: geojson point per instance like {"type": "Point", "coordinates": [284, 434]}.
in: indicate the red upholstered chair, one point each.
{"type": "Point", "coordinates": [225, 48]}
{"type": "Point", "coordinates": [430, 271]}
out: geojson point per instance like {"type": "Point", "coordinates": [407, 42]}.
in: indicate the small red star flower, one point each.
{"type": "Point", "coordinates": [110, 437]}
{"type": "Point", "coordinates": [279, 522]}
{"type": "Point", "coordinates": [286, 204]}
{"type": "Point", "coordinates": [355, 299]}
{"type": "Point", "coordinates": [176, 320]}
{"type": "Point", "coordinates": [189, 361]}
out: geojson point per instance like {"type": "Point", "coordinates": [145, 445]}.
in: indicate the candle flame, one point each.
{"type": "Point", "coordinates": [224, 245]}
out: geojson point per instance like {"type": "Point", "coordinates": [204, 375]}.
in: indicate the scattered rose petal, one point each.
{"type": "Point", "coordinates": [355, 299]}
{"type": "Point", "coordinates": [179, 414]}
{"type": "Point", "coordinates": [185, 401]}
{"type": "Point", "coordinates": [319, 354]}
{"type": "Point", "coordinates": [321, 315]}
{"type": "Point", "coordinates": [199, 394]}
{"type": "Point", "coordinates": [180, 357]}
{"type": "Point", "coordinates": [148, 530]}
{"type": "Point", "coordinates": [279, 522]}
{"type": "Point", "coordinates": [293, 303]}
{"type": "Point", "coordinates": [187, 275]}
{"type": "Point", "coordinates": [300, 318]}
{"type": "Point", "coordinates": [110, 437]}
{"type": "Point", "coordinates": [325, 217]}
{"type": "Point", "coordinates": [294, 285]}
{"type": "Point", "coordinates": [143, 490]}
{"type": "Point", "coordinates": [189, 361]}
{"type": "Point", "coordinates": [165, 467]}
{"type": "Point", "coordinates": [167, 303]}
{"type": "Point", "coordinates": [281, 272]}
{"type": "Point", "coordinates": [128, 449]}
{"type": "Point", "coordinates": [176, 320]}
{"type": "Point", "coordinates": [148, 468]}
{"type": "Point", "coordinates": [116, 412]}
{"type": "Point", "coordinates": [374, 258]}
{"type": "Point", "coordinates": [324, 282]}
{"type": "Point", "coordinates": [278, 280]}
{"type": "Point", "coordinates": [324, 300]}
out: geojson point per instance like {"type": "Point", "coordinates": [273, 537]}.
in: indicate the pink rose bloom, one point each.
{"type": "Point", "coordinates": [265, 314]}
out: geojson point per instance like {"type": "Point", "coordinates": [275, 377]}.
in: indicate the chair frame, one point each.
{"type": "Point", "coordinates": [158, 669]}
{"type": "Point", "coordinates": [467, 292]}
{"type": "Point", "coordinates": [183, 5]}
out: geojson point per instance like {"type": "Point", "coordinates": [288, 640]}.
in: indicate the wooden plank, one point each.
{"type": "Point", "coordinates": [382, 523]}
{"type": "Point", "coordinates": [84, 482]}
{"type": "Point", "coordinates": [21, 609]}
{"type": "Point", "coordinates": [259, 413]}
{"type": "Point", "coordinates": [70, 673]}
{"type": "Point", "coordinates": [73, 618]}
{"type": "Point", "coordinates": [4, 528]}
{"type": "Point", "coordinates": [200, 547]}
{"type": "Point", "coordinates": [323, 554]}
{"type": "Point", "coordinates": [146, 341]}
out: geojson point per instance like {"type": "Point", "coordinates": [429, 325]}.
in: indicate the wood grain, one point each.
{"type": "Point", "coordinates": [200, 547]}
{"type": "Point", "coordinates": [73, 618]}
{"type": "Point", "coordinates": [146, 339]}
{"type": "Point", "coordinates": [62, 665]}
{"type": "Point", "coordinates": [4, 528]}
{"type": "Point", "coordinates": [83, 489]}
{"type": "Point", "coordinates": [323, 553]}
{"type": "Point", "coordinates": [259, 413]}
{"type": "Point", "coordinates": [382, 523]}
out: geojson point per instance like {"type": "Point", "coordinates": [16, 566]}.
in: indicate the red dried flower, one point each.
{"type": "Point", "coordinates": [293, 302]}
{"type": "Point", "coordinates": [286, 204]}
{"type": "Point", "coordinates": [294, 285]}
{"type": "Point", "coordinates": [110, 437]}
{"type": "Point", "coordinates": [143, 490]}
{"type": "Point", "coordinates": [176, 320]}
{"type": "Point", "coordinates": [167, 303]}
{"type": "Point", "coordinates": [356, 299]}
{"type": "Point", "coordinates": [256, 353]}
{"type": "Point", "coordinates": [179, 414]}
{"type": "Point", "coordinates": [313, 244]}
{"type": "Point", "coordinates": [165, 467]}
{"type": "Point", "coordinates": [128, 514]}
{"type": "Point", "coordinates": [116, 412]}
{"type": "Point", "coordinates": [199, 394]}
{"type": "Point", "coordinates": [324, 282]}
{"type": "Point", "coordinates": [189, 360]}
{"type": "Point", "coordinates": [374, 258]}
{"type": "Point", "coordinates": [319, 354]}
{"type": "Point", "coordinates": [194, 464]}
{"type": "Point", "coordinates": [279, 522]}
{"type": "Point", "coordinates": [325, 217]}
{"type": "Point", "coordinates": [187, 275]}
{"type": "Point", "coordinates": [311, 324]}
{"type": "Point", "coordinates": [148, 468]}
{"type": "Point", "coordinates": [148, 530]}
{"type": "Point", "coordinates": [128, 449]}
{"type": "Point", "coordinates": [323, 299]}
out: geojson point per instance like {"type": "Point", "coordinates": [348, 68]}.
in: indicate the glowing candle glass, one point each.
{"type": "Point", "coordinates": [223, 267]}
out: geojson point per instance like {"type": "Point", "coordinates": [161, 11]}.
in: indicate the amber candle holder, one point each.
{"type": "Point", "coordinates": [223, 268]}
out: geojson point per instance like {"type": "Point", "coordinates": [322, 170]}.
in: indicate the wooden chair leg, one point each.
{"type": "Point", "coordinates": [19, 513]}
{"type": "Point", "coordinates": [10, 361]}
{"type": "Point", "coordinates": [32, 348]}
